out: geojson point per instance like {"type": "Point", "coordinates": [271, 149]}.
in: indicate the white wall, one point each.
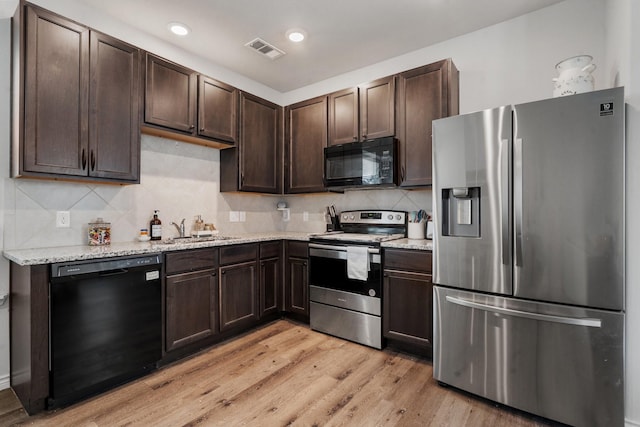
{"type": "Point", "coordinates": [507, 63]}
{"type": "Point", "coordinates": [623, 44]}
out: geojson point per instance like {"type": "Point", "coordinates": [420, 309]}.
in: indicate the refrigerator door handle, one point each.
{"type": "Point", "coordinates": [577, 321]}
{"type": "Point", "coordinates": [517, 199]}
{"type": "Point", "coordinates": [504, 200]}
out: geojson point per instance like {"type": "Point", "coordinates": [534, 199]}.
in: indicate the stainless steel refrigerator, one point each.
{"type": "Point", "coordinates": [529, 256]}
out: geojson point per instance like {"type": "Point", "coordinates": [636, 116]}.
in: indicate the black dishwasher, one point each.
{"type": "Point", "coordinates": [105, 324]}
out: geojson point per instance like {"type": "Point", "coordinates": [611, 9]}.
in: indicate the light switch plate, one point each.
{"type": "Point", "coordinates": [305, 216]}
{"type": "Point", "coordinates": [243, 216]}
{"type": "Point", "coordinates": [234, 216]}
{"type": "Point", "coordinates": [63, 219]}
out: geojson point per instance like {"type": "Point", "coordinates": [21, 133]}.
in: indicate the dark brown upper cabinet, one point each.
{"type": "Point", "coordinates": [80, 97]}
{"type": "Point", "coordinates": [424, 94]}
{"type": "Point", "coordinates": [217, 110]}
{"type": "Point", "coordinates": [181, 104]}
{"type": "Point", "coordinates": [377, 108]}
{"type": "Point", "coordinates": [170, 95]}
{"type": "Point", "coordinates": [363, 112]}
{"type": "Point", "coordinates": [305, 140]}
{"type": "Point", "coordinates": [255, 164]}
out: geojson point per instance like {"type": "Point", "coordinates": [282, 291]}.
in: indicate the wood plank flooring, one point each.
{"type": "Point", "coordinates": [282, 374]}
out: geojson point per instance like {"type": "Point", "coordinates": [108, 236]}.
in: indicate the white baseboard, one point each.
{"type": "Point", "coordinates": [5, 382]}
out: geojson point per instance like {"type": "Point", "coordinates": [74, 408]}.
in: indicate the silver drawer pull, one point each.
{"type": "Point", "coordinates": [578, 321]}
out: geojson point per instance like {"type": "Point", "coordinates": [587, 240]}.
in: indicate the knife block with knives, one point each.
{"type": "Point", "coordinates": [332, 219]}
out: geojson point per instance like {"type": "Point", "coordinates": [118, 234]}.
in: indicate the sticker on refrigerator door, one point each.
{"type": "Point", "coordinates": [152, 275]}
{"type": "Point", "coordinates": [606, 109]}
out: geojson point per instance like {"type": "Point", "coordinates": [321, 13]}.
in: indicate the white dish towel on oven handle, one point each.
{"type": "Point", "coordinates": [357, 262]}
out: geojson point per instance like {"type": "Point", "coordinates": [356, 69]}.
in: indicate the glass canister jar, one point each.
{"type": "Point", "coordinates": [99, 233]}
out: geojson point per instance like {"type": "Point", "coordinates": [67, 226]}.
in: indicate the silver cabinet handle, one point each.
{"type": "Point", "coordinates": [578, 321]}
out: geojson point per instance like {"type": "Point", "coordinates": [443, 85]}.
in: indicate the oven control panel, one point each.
{"type": "Point", "coordinates": [374, 217]}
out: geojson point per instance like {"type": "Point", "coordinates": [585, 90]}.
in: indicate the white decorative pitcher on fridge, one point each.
{"type": "Point", "coordinates": [575, 76]}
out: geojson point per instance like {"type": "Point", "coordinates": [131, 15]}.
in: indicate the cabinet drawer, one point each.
{"type": "Point", "coordinates": [297, 249]}
{"type": "Point", "coordinates": [191, 260]}
{"type": "Point", "coordinates": [407, 260]}
{"type": "Point", "coordinates": [270, 249]}
{"type": "Point", "coordinates": [238, 253]}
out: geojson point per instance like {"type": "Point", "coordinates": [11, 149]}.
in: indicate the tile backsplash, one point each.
{"type": "Point", "coordinates": [181, 181]}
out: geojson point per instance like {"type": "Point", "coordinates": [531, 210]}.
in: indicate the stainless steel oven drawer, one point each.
{"type": "Point", "coordinates": [348, 300]}
{"type": "Point", "coordinates": [350, 325]}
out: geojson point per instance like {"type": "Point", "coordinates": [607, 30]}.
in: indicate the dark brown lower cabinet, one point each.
{"type": "Point", "coordinates": [238, 292]}
{"type": "Point", "coordinates": [191, 289]}
{"type": "Point", "coordinates": [296, 298]}
{"type": "Point", "coordinates": [191, 308]}
{"type": "Point", "coordinates": [270, 278]}
{"type": "Point", "coordinates": [407, 313]}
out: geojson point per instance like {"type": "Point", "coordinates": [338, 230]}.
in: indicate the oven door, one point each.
{"type": "Point", "coordinates": [328, 269]}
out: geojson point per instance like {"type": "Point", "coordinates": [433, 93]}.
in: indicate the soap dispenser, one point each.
{"type": "Point", "coordinates": [156, 227]}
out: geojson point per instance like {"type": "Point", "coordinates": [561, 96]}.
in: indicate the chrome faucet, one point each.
{"type": "Point", "coordinates": [180, 227]}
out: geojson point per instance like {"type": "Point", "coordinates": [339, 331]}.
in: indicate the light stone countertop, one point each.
{"type": "Point", "coordinates": [421, 245]}
{"type": "Point", "coordinates": [78, 253]}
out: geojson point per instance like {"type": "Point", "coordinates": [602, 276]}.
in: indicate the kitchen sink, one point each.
{"type": "Point", "coordinates": [193, 239]}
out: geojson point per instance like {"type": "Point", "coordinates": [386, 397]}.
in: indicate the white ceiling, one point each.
{"type": "Point", "coordinates": [343, 35]}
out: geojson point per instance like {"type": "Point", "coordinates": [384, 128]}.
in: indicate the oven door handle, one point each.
{"type": "Point", "coordinates": [339, 252]}
{"type": "Point", "coordinates": [340, 248]}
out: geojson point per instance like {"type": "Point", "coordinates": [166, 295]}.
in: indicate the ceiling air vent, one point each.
{"type": "Point", "coordinates": [264, 48]}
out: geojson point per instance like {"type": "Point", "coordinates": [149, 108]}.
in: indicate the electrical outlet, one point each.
{"type": "Point", "coordinates": [305, 216]}
{"type": "Point", "coordinates": [243, 216]}
{"type": "Point", "coordinates": [234, 216]}
{"type": "Point", "coordinates": [63, 219]}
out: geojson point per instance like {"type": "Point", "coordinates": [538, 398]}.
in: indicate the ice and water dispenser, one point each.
{"type": "Point", "coordinates": [461, 212]}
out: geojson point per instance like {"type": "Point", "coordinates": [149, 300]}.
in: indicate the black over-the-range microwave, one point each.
{"type": "Point", "coordinates": [372, 163]}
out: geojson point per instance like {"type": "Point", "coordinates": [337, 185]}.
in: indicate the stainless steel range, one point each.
{"type": "Point", "coordinates": [345, 275]}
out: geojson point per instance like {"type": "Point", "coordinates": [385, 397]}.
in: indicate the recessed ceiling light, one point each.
{"type": "Point", "coordinates": [178, 28]}
{"type": "Point", "coordinates": [296, 35]}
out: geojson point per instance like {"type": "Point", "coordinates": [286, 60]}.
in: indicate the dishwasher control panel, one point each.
{"type": "Point", "coordinates": [96, 266]}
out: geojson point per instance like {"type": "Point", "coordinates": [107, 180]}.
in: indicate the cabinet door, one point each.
{"type": "Point", "coordinates": [114, 114]}
{"type": "Point", "coordinates": [306, 139]}
{"type": "Point", "coordinates": [408, 307]}
{"type": "Point", "coordinates": [343, 116]}
{"type": "Point", "coordinates": [424, 94]}
{"type": "Point", "coordinates": [170, 95]}
{"type": "Point", "coordinates": [378, 108]}
{"type": "Point", "coordinates": [238, 298]}
{"type": "Point", "coordinates": [191, 308]}
{"type": "Point", "coordinates": [297, 287]}
{"type": "Point", "coordinates": [259, 154]}
{"type": "Point", "coordinates": [217, 110]}
{"type": "Point", "coordinates": [56, 95]}
{"type": "Point", "coordinates": [270, 286]}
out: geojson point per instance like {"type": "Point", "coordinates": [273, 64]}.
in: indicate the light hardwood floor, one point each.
{"type": "Point", "coordinates": [279, 375]}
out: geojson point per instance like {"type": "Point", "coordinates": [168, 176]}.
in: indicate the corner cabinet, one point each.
{"type": "Point", "coordinates": [191, 311]}
{"type": "Point", "coordinates": [305, 141]}
{"type": "Point", "coordinates": [81, 92]}
{"type": "Point", "coordinates": [407, 294]}
{"type": "Point", "coordinates": [255, 164]}
{"type": "Point", "coordinates": [363, 112]}
{"type": "Point", "coordinates": [424, 95]}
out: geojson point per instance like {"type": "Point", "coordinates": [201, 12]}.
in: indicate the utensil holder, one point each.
{"type": "Point", "coordinates": [415, 230]}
